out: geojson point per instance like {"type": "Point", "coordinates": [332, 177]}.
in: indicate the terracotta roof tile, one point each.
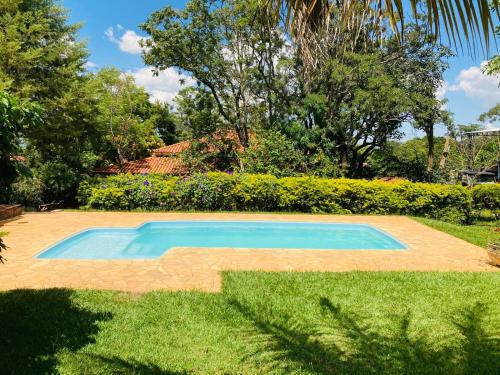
{"type": "Point", "coordinates": [152, 164]}
{"type": "Point", "coordinates": [173, 149]}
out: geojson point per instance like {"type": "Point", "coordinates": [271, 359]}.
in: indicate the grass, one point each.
{"type": "Point", "coordinates": [480, 233]}
{"type": "Point", "coordinates": [301, 323]}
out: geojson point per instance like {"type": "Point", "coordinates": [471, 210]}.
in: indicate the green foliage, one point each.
{"type": "Point", "coordinates": [487, 197]}
{"type": "Point", "coordinates": [273, 153]}
{"type": "Point", "coordinates": [28, 191]}
{"type": "Point", "coordinates": [410, 160]}
{"type": "Point", "coordinates": [354, 323]}
{"type": "Point", "coordinates": [232, 50]}
{"type": "Point", "coordinates": [16, 116]}
{"type": "Point", "coordinates": [492, 115]}
{"type": "Point", "coordinates": [127, 191]}
{"type": "Point", "coordinates": [124, 115]}
{"type": "Point", "coordinates": [108, 198]}
{"type": "Point", "coordinates": [247, 192]}
{"type": "Point", "coordinates": [165, 122]}
{"type": "Point", "coordinates": [42, 61]}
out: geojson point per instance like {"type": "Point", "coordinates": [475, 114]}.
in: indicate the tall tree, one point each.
{"type": "Point", "coordinates": [422, 62]}
{"type": "Point", "coordinates": [360, 104]}
{"type": "Point", "coordinates": [124, 115]}
{"type": "Point", "coordinates": [230, 48]}
{"type": "Point", "coordinates": [42, 60]}
{"type": "Point", "coordinates": [165, 122]}
{"type": "Point", "coordinates": [16, 117]}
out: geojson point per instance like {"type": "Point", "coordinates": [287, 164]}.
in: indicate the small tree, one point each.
{"type": "Point", "coordinates": [16, 116]}
{"type": "Point", "coordinates": [125, 117]}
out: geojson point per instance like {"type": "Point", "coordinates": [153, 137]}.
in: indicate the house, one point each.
{"type": "Point", "coordinates": [163, 160]}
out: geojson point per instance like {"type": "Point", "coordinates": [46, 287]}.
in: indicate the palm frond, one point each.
{"type": "Point", "coordinates": [469, 21]}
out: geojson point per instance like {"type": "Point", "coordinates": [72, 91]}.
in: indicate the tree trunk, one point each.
{"type": "Point", "coordinates": [444, 155]}
{"type": "Point", "coordinates": [344, 161]}
{"type": "Point", "coordinates": [430, 146]}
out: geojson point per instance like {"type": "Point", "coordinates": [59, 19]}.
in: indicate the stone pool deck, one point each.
{"type": "Point", "coordinates": [195, 268]}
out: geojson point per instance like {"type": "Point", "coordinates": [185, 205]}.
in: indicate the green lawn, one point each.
{"type": "Point", "coordinates": [313, 323]}
{"type": "Point", "coordinates": [479, 233]}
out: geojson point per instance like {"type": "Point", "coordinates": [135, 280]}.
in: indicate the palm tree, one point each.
{"type": "Point", "coordinates": [469, 22]}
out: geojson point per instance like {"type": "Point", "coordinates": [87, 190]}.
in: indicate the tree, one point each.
{"type": "Point", "coordinates": [198, 113]}
{"type": "Point", "coordinates": [165, 122]}
{"type": "Point", "coordinates": [357, 106]}
{"type": "Point", "coordinates": [409, 160]}
{"type": "Point", "coordinates": [16, 117]}
{"type": "Point", "coordinates": [423, 63]}
{"type": "Point", "coordinates": [124, 115]}
{"type": "Point", "coordinates": [42, 61]}
{"type": "Point", "coordinates": [478, 153]}
{"type": "Point", "coordinates": [231, 49]}
{"type": "Point", "coordinates": [272, 152]}
{"type": "Point", "coordinates": [493, 115]}
{"type": "Point", "coordinates": [468, 21]}
{"type": "Point", "coordinates": [493, 66]}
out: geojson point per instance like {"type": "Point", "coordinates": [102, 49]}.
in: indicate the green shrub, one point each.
{"type": "Point", "coordinates": [28, 191]}
{"type": "Point", "coordinates": [108, 198]}
{"type": "Point", "coordinates": [487, 197]}
{"type": "Point", "coordinates": [249, 192]}
{"type": "Point", "coordinates": [256, 192]}
{"type": "Point", "coordinates": [211, 191]}
{"type": "Point", "coordinates": [486, 201]}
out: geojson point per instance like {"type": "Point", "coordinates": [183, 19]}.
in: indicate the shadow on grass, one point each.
{"type": "Point", "coordinates": [36, 324]}
{"type": "Point", "coordinates": [98, 364]}
{"type": "Point", "coordinates": [346, 346]}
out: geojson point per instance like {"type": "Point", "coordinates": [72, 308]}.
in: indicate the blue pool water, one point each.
{"type": "Point", "coordinates": [152, 239]}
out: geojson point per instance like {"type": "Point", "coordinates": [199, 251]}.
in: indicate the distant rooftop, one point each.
{"type": "Point", "coordinates": [173, 149]}
{"type": "Point", "coordinates": [164, 160]}
{"type": "Point", "coordinates": [486, 132]}
{"type": "Point", "coordinates": [153, 164]}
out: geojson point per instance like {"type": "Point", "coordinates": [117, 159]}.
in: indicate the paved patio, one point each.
{"type": "Point", "coordinates": [194, 268]}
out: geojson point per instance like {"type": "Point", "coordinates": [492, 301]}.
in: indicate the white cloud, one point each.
{"type": "Point", "coordinates": [441, 91]}
{"type": "Point", "coordinates": [90, 65]}
{"type": "Point", "coordinates": [490, 126]}
{"type": "Point", "coordinates": [474, 84]}
{"type": "Point", "coordinates": [162, 87]}
{"type": "Point", "coordinates": [109, 32]}
{"type": "Point", "coordinates": [128, 41]}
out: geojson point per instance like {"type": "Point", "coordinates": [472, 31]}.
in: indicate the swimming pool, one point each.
{"type": "Point", "coordinates": [152, 239]}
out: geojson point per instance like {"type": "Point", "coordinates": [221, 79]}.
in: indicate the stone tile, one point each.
{"type": "Point", "coordinates": [193, 268]}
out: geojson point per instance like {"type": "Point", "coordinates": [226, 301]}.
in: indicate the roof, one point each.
{"type": "Point", "coordinates": [165, 160]}
{"type": "Point", "coordinates": [151, 164]}
{"type": "Point", "coordinates": [172, 149]}
{"type": "Point", "coordinates": [486, 132]}
{"type": "Point", "coordinates": [177, 148]}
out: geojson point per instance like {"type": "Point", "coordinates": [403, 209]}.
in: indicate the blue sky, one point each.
{"type": "Point", "coordinates": [110, 28]}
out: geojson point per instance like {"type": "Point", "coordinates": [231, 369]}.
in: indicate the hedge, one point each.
{"type": "Point", "coordinates": [248, 192]}
{"type": "Point", "coordinates": [487, 197]}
